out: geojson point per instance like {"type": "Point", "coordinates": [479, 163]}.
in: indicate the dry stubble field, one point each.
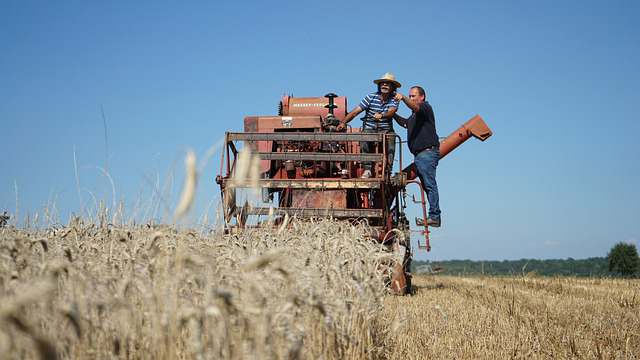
{"type": "Point", "coordinates": [519, 317]}
{"type": "Point", "coordinates": [309, 291]}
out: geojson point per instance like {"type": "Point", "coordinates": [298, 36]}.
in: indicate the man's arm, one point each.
{"type": "Point", "coordinates": [352, 114]}
{"type": "Point", "coordinates": [349, 117]}
{"type": "Point", "coordinates": [389, 114]}
{"type": "Point", "coordinates": [414, 106]}
{"type": "Point", "coordinates": [400, 120]}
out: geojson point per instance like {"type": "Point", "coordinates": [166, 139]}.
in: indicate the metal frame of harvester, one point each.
{"type": "Point", "coordinates": [308, 169]}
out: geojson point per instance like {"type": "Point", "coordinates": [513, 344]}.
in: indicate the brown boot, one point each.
{"type": "Point", "coordinates": [433, 223]}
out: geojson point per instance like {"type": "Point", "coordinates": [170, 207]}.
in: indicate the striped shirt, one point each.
{"type": "Point", "coordinates": [373, 104]}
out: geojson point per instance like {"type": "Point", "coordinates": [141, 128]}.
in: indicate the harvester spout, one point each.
{"type": "Point", "coordinates": [475, 127]}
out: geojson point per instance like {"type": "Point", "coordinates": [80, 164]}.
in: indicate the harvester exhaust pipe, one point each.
{"type": "Point", "coordinates": [475, 127]}
{"type": "Point", "coordinates": [331, 105]}
{"type": "Point", "coordinates": [331, 119]}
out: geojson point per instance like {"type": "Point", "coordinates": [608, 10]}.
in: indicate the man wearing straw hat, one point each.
{"type": "Point", "coordinates": [380, 108]}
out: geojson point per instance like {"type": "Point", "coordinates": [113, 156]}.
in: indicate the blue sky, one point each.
{"type": "Point", "coordinates": [557, 82]}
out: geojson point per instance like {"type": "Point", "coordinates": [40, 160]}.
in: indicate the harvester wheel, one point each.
{"type": "Point", "coordinates": [398, 280]}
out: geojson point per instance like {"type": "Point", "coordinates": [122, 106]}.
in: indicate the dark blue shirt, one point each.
{"type": "Point", "coordinates": [421, 129]}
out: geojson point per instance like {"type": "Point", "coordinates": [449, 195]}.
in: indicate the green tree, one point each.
{"type": "Point", "coordinates": [623, 259]}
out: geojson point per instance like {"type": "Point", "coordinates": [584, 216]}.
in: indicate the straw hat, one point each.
{"type": "Point", "coordinates": [388, 77]}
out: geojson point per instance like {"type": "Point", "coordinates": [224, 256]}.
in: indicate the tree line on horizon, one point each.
{"type": "Point", "coordinates": [591, 267]}
{"type": "Point", "coordinates": [596, 266]}
{"type": "Point", "coordinates": [622, 260]}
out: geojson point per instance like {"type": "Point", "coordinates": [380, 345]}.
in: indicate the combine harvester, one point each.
{"type": "Point", "coordinates": [310, 170]}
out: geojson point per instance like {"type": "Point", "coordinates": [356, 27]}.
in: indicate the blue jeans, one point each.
{"type": "Point", "coordinates": [427, 162]}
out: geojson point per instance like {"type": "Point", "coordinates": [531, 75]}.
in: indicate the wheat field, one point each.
{"type": "Point", "coordinates": [301, 290]}
{"type": "Point", "coordinates": [305, 291]}
{"type": "Point", "coordinates": [519, 317]}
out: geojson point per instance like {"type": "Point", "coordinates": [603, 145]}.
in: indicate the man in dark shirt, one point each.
{"type": "Point", "coordinates": [424, 144]}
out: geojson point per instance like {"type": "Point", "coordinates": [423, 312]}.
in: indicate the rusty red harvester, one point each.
{"type": "Point", "coordinates": [310, 170]}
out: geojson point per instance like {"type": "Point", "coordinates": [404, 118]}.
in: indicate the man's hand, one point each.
{"type": "Point", "coordinates": [377, 116]}
{"type": "Point", "coordinates": [341, 126]}
{"type": "Point", "coordinates": [411, 104]}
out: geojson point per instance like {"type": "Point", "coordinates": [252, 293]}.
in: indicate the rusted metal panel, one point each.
{"type": "Point", "coordinates": [251, 124]}
{"type": "Point", "coordinates": [313, 106]}
{"type": "Point", "coordinates": [270, 123]}
{"type": "Point", "coordinates": [325, 199]}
